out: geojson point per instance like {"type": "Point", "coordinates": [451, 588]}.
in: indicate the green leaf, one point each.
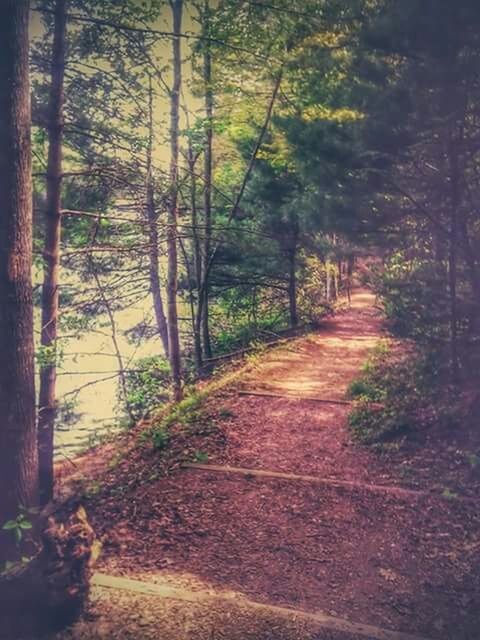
{"type": "Point", "coordinates": [18, 534]}
{"type": "Point", "coordinates": [201, 456]}
{"type": "Point", "coordinates": [25, 524]}
{"type": "Point", "coordinates": [11, 524]}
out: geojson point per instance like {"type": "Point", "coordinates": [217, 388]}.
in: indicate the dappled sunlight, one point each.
{"type": "Point", "coordinates": [325, 363]}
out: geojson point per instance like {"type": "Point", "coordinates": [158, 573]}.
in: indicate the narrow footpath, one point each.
{"type": "Point", "coordinates": [285, 529]}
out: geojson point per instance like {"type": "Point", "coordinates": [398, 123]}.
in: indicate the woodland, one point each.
{"type": "Point", "coordinates": [213, 178]}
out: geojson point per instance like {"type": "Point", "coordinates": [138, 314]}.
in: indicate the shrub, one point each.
{"type": "Point", "coordinates": [148, 385]}
{"type": "Point", "coordinates": [185, 413]}
{"type": "Point", "coordinates": [232, 333]}
{"type": "Point", "coordinates": [395, 395]}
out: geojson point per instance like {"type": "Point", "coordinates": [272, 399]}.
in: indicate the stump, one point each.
{"type": "Point", "coordinates": [51, 590]}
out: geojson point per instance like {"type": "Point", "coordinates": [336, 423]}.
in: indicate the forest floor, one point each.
{"type": "Point", "coordinates": [333, 541]}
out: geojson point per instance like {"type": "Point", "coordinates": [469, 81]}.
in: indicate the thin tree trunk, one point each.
{"type": "Point", "coordinates": [350, 266]}
{"type": "Point", "coordinates": [197, 259]}
{"type": "Point", "coordinates": [328, 281]}
{"type": "Point", "coordinates": [116, 346]}
{"type": "Point", "coordinates": [154, 271]}
{"type": "Point", "coordinates": [18, 447]}
{"type": "Point", "coordinates": [248, 172]}
{"type": "Point", "coordinates": [191, 299]}
{"type": "Point", "coordinates": [173, 338]}
{"type": "Point", "coordinates": [51, 257]}
{"type": "Point", "coordinates": [207, 79]}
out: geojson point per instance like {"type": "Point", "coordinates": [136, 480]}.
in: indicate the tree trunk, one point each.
{"type": "Point", "coordinates": [248, 173]}
{"type": "Point", "coordinates": [292, 287]}
{"type": "Point", "coordinates": [328, 281]}
{"type": "Point", "coordinates": [207, 79]}
{"type": "Point", "coordinates": [18, 452]}
{"type": "Point", "coordinates": [51, 257]}
{"type": "Point", "coordinates": [154, 271]}
{"type": "Point", "coordinates": [173, 338]}
{"type": "Point", "coordinates": [350, 266]}
{"type": "Point", "coordinates": [197, 262]}
{"type": "Point", "coordinates": [51, 591]}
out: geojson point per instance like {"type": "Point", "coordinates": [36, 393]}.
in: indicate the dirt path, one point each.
{"type": "Point", "coordinates": [233, 553]}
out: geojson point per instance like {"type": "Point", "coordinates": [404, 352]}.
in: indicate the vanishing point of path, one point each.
{"type": "Point", "coordinates": [288, 530]}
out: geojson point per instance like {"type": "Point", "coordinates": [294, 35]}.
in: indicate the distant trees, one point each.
{"type": "Point", "coordinates": [424, 162]}
{"type": "Point", "coordinates": [18, 453]}
{"type": "Point", "coordinates": [299, 134]}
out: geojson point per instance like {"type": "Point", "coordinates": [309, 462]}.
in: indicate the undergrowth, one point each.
{"type": "Point", "coordinates": [398, 394]}
{"type": "Point", "coordinates": [189, 413]}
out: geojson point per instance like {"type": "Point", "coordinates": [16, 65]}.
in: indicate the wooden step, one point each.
{"type": "Point", "coordinates": [349, 484]}
{"type": "Point", "coordinates": [320, 619]}
{"type": "Point", "coordinates": [290, 396]}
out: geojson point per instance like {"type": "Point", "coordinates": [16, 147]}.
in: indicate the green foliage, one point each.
{"type": "Point", "coordinates": [47, 356]}
{"type": "Point", "coordinates": [160, 437]}
{"type": "Point", "coordinates": [20, 524]}
{"type": "Point", "coordinates": [414, 299]}
{"type": "Point", "coordinates": [395, 395]}
{"type": "Point", "coordinates": [240, 322]}
{"type": "Point", "coordinates": [185, 413]}
{"type": "Point", "coordinates": [225, 413]}
{"type": "Point", "coordinates": [201, 457]}
{"type": "Point", "coordinates": [148, 383]}
{"type": "Point", "coordinates": [311, 301]}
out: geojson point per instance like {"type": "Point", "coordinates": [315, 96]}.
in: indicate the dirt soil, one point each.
{"type": "Point", "coordinates": [407, 563]}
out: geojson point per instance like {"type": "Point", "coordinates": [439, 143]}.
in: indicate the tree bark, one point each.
{"type": "Point", "coordinates": [197, 262]}
{"type": "Point", "coordinates": [154, 271]}
{"type": "Point", "coordinates": [335, 282]}
{"type": "Point", "coordinates": [350, 267]}
{"type": "Point", "coordinates": [50, 592]}
{"type": "Point", "coordinates": [173, 337]}
{"type": "Point", "coordinates": [18, 453]}
{"type": "Point", "coordinates": [248, 172]}
{"type": "Point", "coordinates": [328, 281]}
{"type": "Point", "coordinates": [207, 79]}
{"type": "Point", "coordinates": [51, 257]}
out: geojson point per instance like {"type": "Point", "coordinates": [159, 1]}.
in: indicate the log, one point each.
{"type": "Point", "coordinates": [289, 396]}
{"type": "Point", "coordinates": [50, 591]}
{"type": "Point", "coordinates": [280, 475]}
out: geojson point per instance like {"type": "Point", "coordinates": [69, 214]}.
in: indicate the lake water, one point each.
{"type": "Point", "coordinates": [90, 362]}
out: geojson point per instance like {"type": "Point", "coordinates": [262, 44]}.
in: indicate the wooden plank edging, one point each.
{"type": "Point", "coordinates": [273, 394]}
{"type": "Point", "coordinates": [323, 620]}
{"type": "Point", "coordinates": [350, 484]}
